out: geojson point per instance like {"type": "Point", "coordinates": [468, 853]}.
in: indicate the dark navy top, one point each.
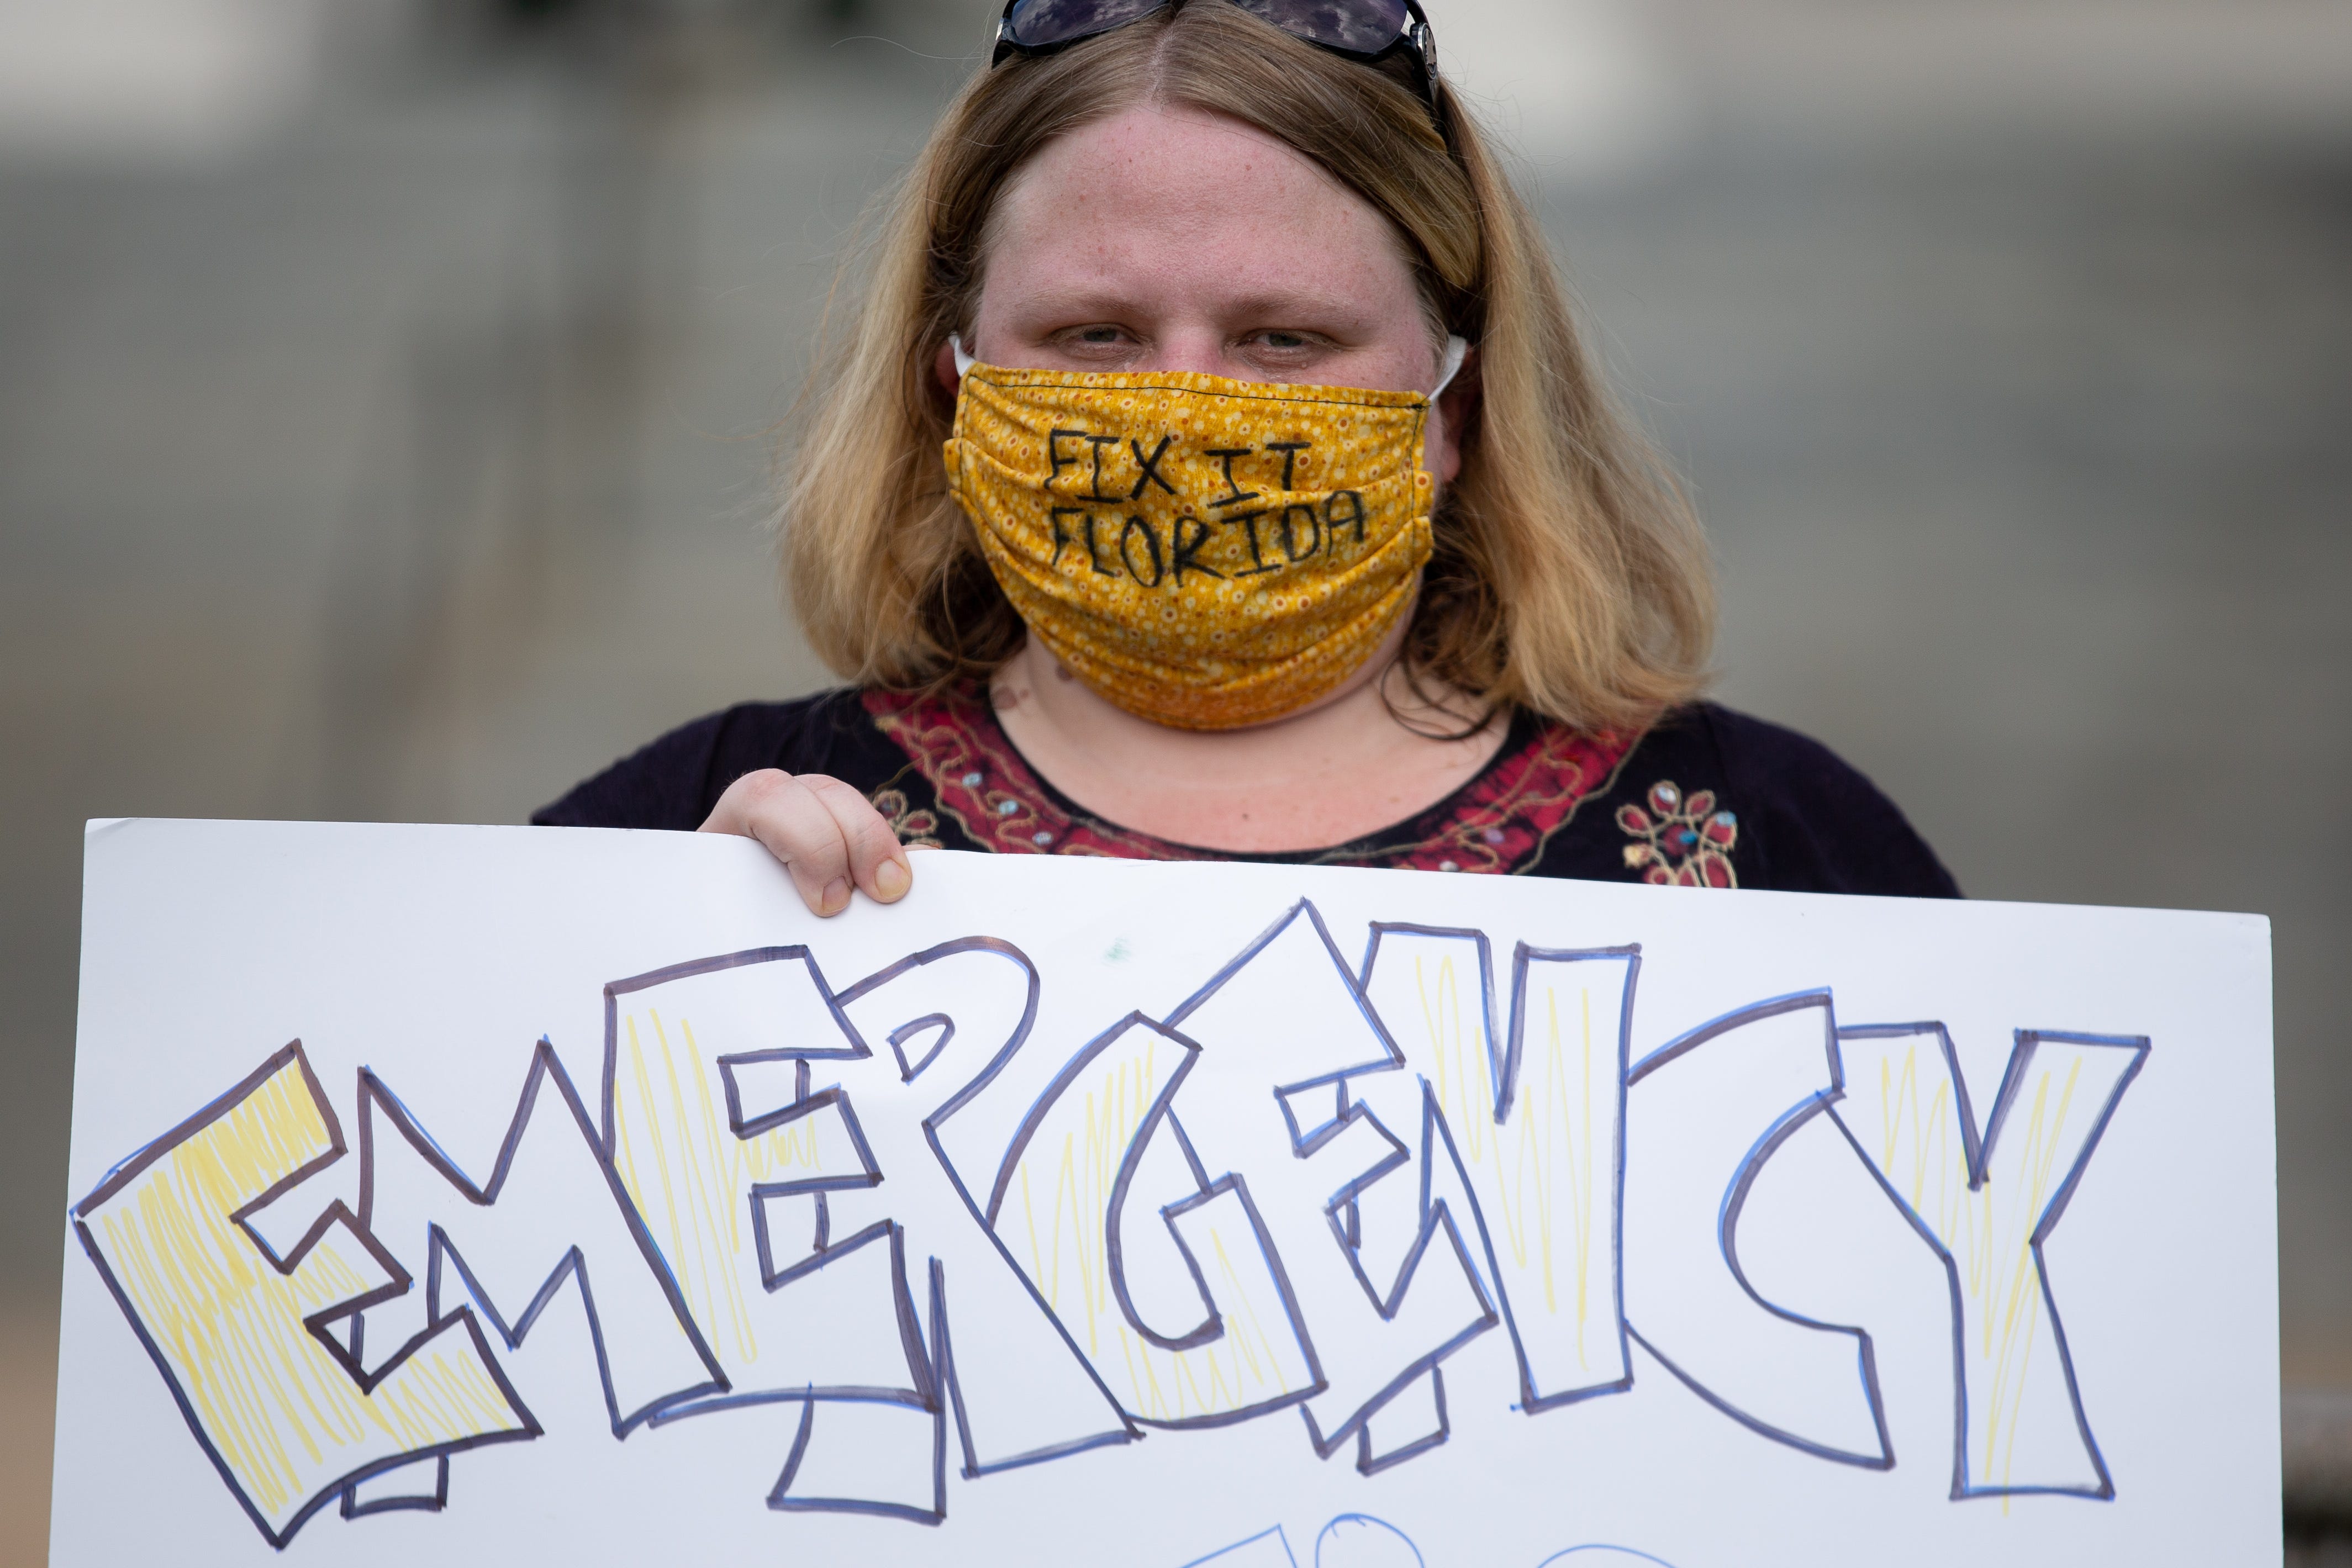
{"type": "Point", "coordinates": [1706, 798]}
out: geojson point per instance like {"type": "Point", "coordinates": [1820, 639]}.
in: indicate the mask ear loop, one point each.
{"type": "Point", "coordinates": [1456, 350]}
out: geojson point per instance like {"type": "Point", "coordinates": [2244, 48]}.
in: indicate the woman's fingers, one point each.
{"type": "Point", "coordinates": [783, 814]}
{"type": "Point", "coordinates": [876, 864]}
{"type": "Point", "coordinates": [826, 834]}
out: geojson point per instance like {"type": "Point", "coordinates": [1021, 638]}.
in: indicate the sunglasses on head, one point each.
{"type": "Point", "coordinates": [1365, 31]}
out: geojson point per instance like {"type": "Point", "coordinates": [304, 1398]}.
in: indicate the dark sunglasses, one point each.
{"type": "Point", "coordinates": [1365, 31]}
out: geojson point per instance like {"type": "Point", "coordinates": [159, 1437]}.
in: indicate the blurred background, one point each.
{"type": "Point", "coordinates": [386, 391]}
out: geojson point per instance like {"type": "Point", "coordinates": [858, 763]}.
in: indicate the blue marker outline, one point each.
{"type": "Point", "coordinates": [317, 1323]}
{"type": "Point", "coordinates": [1505, 1065]}
{"type": "Point", "coordinates": [545, 1067]}
{"type": "Point", "coordinates": [1978, 1153]}
{"type": "Point", "coordinates": [1734, 1198]}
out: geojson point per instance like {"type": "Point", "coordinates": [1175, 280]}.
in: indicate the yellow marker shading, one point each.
{"type": "Point", "coordinates": [1908, 1114]}
{"type": "Point", "coordinates": [285, 1415]}
{"type": "Point", "coordinates": [1061, 1192]}
{"type": "Point", "coordinates": [1544, 1173]}
{"type": "Point", "coordinates": [688, 1174]}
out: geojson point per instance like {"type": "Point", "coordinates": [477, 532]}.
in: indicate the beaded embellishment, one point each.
{"type": "Point", "coordinates": [1679, 841]}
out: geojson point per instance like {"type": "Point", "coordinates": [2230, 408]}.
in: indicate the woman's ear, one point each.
{"type": "Point", "coordinates": [1453, 418]}
{"type": "Point", "coordinates": [944, 368]}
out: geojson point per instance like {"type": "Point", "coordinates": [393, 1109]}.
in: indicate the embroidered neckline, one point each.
{"type": "Point", "coordinates": [1498, 821]}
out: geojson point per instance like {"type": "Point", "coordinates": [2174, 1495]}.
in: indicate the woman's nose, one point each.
{"type": "Point", "coordinates": [1200, 350]}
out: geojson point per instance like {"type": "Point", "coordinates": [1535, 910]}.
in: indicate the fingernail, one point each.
{"type": "Point", "coordinates": [836, 895]}
{"type": "Point", "coordinates": [889, 881]}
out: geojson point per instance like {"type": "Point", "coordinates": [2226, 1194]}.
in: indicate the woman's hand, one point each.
{"type": "Point", "coordinates": [825, 833]}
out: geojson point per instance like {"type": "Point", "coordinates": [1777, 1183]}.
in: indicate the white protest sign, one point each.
{"type": "Point", "coordinates": [484, 1196]}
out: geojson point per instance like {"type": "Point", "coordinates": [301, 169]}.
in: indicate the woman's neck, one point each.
{"type": "Point", "coordinates": [1356, 761]}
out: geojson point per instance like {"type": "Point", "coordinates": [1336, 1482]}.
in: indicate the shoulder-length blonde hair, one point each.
{"type": "Point", "coordinates": [1569, 578]}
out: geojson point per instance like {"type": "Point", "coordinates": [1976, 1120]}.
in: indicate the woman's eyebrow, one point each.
{"type": "Point", "coordinates": [1127, 297]}
{"type": "Point", "coordinates": [1334, 310]}
{"type": "Point", "coordinates": [1095, 303]}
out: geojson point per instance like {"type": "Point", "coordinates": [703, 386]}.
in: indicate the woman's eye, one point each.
{"type": "Point", "coordinates": [1098, 335]}
{"type": "Point", "coordinates": [1282, 340]}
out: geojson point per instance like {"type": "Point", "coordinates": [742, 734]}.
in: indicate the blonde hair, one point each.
{"type": "Point", "coordinates": [1569, 577]}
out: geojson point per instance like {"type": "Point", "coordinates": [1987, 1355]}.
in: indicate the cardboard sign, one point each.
{"type": "Point", "coordinates": [487, 1195]}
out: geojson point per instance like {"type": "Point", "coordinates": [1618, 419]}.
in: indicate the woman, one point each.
{"type": "Point", "coordinates": [1282, 515]}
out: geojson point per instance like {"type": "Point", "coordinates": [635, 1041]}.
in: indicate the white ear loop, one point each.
{"type": "Point", "coordinates": [1456, 350]}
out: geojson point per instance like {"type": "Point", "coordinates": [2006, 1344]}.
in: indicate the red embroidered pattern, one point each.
{"type": "Point", "coordinates": [1682, 843]}
{"type": "Point", "coordinates": [1499, 822]}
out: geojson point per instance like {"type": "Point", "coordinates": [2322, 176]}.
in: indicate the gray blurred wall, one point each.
{"type": "Point", "coordinates": [385, 393]}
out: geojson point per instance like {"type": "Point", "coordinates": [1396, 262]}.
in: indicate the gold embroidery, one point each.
{"type": "Point", "coordinates": [916, 830]}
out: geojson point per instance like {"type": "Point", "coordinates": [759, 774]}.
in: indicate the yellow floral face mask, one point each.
{"type": "Point", "coordinates": [1205, 553]}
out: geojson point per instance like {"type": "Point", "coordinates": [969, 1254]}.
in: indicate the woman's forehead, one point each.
{"type": "Point", "coordinates": [1178, 192]}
